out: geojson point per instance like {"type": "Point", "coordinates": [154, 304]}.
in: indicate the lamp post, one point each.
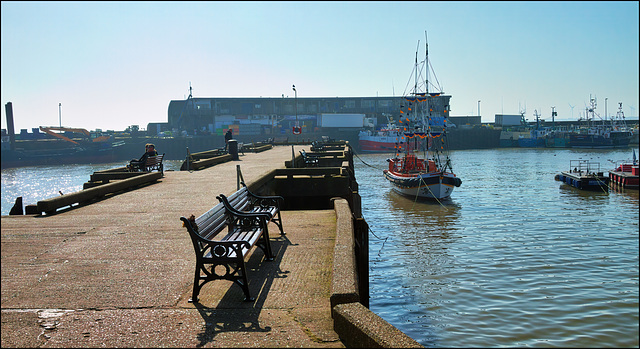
{"type": "Point", "coordinates": [478, 107]}
{"type": "Point", "coordinates": [296, 102]}
{"type": "Point", "coordinates": [60, 114]}
{"type": "Point", "coordinates": [296, 129]}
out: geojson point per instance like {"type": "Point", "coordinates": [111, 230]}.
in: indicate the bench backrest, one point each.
{"type": "Point", "coordinates": [309, 159]}
{"type": "Point", "coordinates": [154, 163]}
{"type": "Point", "coordinates": [208, 225]}
{"type": "Point", "coordinates": [240, 200]}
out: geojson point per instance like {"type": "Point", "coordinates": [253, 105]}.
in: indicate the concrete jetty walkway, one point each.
{"type": "Point", "coordinates": [119, 272]}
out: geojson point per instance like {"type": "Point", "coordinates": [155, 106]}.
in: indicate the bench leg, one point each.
{"type": "Point", "coordinates": [242, 281]}
{"type": "Point", "coordinates": [278, 222]}
{"type": "Point", "coordinates": [265, 244]}
{"type": "Point", "coordinates": [235, 271]}
{"type": "Point", "coordinates": [196, 284]}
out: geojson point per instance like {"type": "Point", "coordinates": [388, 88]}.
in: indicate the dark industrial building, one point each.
{"type": "Point", "coordinates": [277, 116]}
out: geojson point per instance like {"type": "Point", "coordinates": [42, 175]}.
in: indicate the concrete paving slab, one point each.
{"type": "Point", "coordinates": [119, 272]}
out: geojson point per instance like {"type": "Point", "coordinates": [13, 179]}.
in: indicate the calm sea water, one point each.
{"type": "Point", "coordinates": [512, 259]}
{"type": "Point", "coordinates": [35, 183]}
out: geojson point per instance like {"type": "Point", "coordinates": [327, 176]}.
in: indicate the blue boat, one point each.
{"type": "Point", "coordinates": [535, 138]}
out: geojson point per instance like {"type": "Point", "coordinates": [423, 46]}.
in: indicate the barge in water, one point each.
{"type": "Point", "coordinates": [584, 175]}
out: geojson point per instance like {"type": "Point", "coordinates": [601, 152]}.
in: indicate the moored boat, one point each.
{"type": "Point", "coordinates": [387, 139]}
{"type": "Point", "coordinates": [509, 138]}
{"type": "Point", "coordinates": [626, 174]}
{"type": "Point", "coordinates": [612, 133]}
{"type": "Point", "coordinates": [430, 176]}
{"type": "Point", "coordinates": [535, 137]}
{"type": "Point", "coordinates": [558, 138]}
{"type": "Point", "coordinates": [584, 175]}
{"type": "Point", "coordinates": [93, 148]}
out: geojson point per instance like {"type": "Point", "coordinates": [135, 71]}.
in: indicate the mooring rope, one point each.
{"type": "Point", "coordinates": [376, 236]}
{"type": "Point", "coordinates": [414, 201]}
{"type": "Point", "coordinates": [359, 158]}
{"type": "Point", "coordinates": [601, 184]}
{"type": "Point", "coordinates": [432, 193]}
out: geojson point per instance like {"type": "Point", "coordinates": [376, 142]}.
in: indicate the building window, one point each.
{"type": "Point", "coordinates": [367, 103]}
{"type": "Point", "coordinates": [288, 108]}
{"type": "Point", "coordinates": [312, 108]}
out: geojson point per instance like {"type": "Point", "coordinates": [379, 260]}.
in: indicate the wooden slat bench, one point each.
{"type": "Point", "coordinates": [152, 163]}
{"type": "Point", "coordinates": [222, 237]}
{"type": "Point", "coordinates": [244, 201]}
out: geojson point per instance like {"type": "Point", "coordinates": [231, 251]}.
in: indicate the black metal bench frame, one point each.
{"type": "Point", "coordinates": [240, 233]}
{"type": "Point", "coordinates": [152, 163]}
{"type": "Point", "coordinates": [309, 160]}
{"type": "Point", "coordinates": [244, 201]}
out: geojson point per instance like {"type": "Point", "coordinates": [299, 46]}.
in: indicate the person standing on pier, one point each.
{"type": "Point", "coordinates": [227, 138]}
{"type": "Point", "coordinates": [150, 150]}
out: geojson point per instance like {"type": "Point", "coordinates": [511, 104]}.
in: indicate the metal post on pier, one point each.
{"type": "Point", "coordinates": [10, 128]}
{"type": "Point", "coordinates": [239, 178]}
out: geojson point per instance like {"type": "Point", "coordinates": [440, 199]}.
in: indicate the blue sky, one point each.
{"type": "Point", "coordinates": [115, 64]}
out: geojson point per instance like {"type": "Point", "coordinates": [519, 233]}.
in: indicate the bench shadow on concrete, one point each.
{"type": "Point", "coordinates": [233, 314]}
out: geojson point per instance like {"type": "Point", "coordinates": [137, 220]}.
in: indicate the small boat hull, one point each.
{"type": "Point", "coordinates": [382, 142]}
{"type": "Point", "coordinates": [430, 185]}
{"type": "Point", "coordinates": [584, 175]}
{"type": "Point", "coordinates": [607, 141]}
{"type": "Point", "coordinates": [584, 181]}
{"type": "Point", "coordinates": [378, 145]}
{"type": "Point", "coordinates": [625, 176]}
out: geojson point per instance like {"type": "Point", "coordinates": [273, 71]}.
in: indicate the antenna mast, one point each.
{"type": "Point", "coordinates": [426, 57]}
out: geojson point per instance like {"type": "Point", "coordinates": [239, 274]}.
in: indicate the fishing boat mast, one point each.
{"type": "Point", "coordinates": [425, 122]}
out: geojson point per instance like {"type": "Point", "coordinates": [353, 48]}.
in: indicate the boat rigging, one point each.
{"type": "Point", "coordinates": [430, 176]}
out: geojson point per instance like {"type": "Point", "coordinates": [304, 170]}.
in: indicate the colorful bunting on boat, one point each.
{"type": "Point", "coordinates": [416, 134]}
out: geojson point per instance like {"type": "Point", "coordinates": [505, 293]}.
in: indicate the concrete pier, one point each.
{"type": "Point", "coordinates": [118, 273]}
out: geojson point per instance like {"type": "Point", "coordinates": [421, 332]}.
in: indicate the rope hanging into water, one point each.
{"type": "Point", "coordinates": [414, 201]}
{"type": "Point", "coordinates": [602, 184]}
{"type": "Point", "coordinates": [359, 158]}
{"type": "Point", "coordinates": [432, 193]}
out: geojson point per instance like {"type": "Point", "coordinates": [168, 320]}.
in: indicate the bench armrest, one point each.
{"type": "Point", "coordinates": [231, 210]}
{"type": "Point", "coordinates": [192, 228]}
{"type": "Point", "coordinates": [276, 199]}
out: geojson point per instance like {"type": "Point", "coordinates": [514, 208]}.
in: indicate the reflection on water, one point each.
{"type": "Point", "coordinates": [433, 213]}
{"type": "Point", "coordinates": [514, 258]}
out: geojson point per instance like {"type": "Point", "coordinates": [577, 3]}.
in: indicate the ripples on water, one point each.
{"type": "Point", "coordinates": [514, 258]}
